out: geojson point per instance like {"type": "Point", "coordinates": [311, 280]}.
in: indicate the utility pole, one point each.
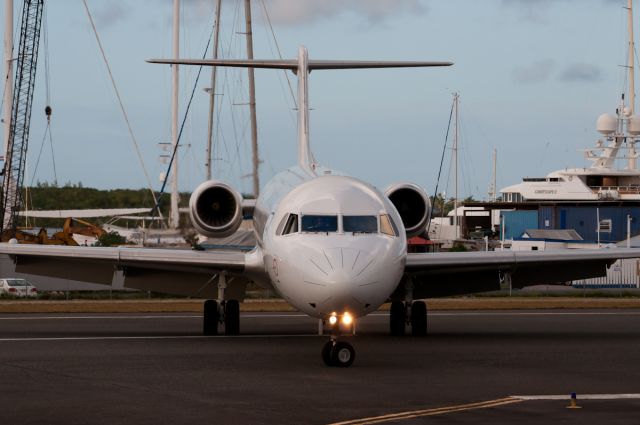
{"type": "Point", "coordinates": [212, 92]}
{"type": "Point", "coordinates": [252, 101]}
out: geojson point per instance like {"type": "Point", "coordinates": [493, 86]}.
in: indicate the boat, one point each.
{"type": "Point", "coordinates": [613, 174]}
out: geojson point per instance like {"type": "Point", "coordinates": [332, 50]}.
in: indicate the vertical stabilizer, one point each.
{"type": "Point", "coordinates": [305, 157]}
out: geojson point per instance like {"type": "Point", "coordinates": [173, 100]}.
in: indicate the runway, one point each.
{"type": "Point", "coordinates": [478, 367]}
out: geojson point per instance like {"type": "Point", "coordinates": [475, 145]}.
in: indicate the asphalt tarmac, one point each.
{"type": "Point", "coordinates": [474, 367]}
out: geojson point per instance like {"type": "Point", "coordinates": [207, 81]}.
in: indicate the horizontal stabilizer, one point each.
{"type": "Point", "coordinates": [293, 64]}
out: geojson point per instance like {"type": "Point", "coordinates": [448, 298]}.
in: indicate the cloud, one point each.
{"type": "Point", "coordinates": [536, 72]}
{"type": "Point", "coordinates": [536, 10]}
{"type": "Point", "coordinates": [581, 72]}
{"type": "Point", "coordinates": [532, 10]}
{"type": "Point", "coordinates": [108, 14]}
{"type": "Point", "coordinates": [300, 12]}
{"type": "Point", "coordinates": [281, 12]}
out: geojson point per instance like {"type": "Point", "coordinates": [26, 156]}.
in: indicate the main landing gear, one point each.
{"type": "Point", "coordinates": [226, 312]}
{"type": "Point", "coordinates": [335, 352]}
{"type": "Point", "coordinates": [409, 313]}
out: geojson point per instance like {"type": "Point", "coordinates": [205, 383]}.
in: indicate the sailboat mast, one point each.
{"type": "Point", "coordinates": [174, 216]}
{"type": "Point", "coordinates": [212, 93]}
{"type": "Point", "coordinates": [632, 91]}
{"type": "Point", "coordinates": [632, 94]}
{"type": "Point", "coordinates": [252, 101]}
{"type": "Point", "coordinates": [455, 161]}
{"type": "Point", "coordinates": [8, 67]}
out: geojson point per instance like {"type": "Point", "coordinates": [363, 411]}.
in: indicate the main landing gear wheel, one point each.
{"type": "Point", "coordinates": [232, 317]}
{"type": "Point", "coordinates": [326, 353]}
{"type": "Point", "coordinates": [397, 318]}
{"type": "Point", "coordinates": [418, 318]}
{"type": "Point", "coordinates": [210, 318]}
{"type": "Point", "coordinates": [338, 353]}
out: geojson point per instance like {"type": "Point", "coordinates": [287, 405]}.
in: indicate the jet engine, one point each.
{"type": "Point", "coordinates": [413, 204]}
{"type": "Point", "coordinates": [215, 209]}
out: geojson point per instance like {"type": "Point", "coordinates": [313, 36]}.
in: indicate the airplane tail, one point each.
{"type": "Point", "coordinates": [301, 67]}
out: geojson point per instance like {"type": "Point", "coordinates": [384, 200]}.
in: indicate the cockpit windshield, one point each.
{"type": "Point", "coordinates": [360, 223]}
{"type": "Point", "coordinates": [319, 223]}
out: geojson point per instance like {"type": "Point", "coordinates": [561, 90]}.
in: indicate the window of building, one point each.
{"type": "Point", "coordinates": [605, 226]}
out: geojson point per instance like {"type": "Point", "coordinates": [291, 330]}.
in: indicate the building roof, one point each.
{"type": "Point", "coordinates": [555, 234]}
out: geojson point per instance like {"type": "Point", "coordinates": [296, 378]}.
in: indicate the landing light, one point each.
{"type": "Point", "coordinates": [347, 319]}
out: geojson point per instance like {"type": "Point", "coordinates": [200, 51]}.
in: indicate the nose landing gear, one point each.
{"type": "Point", "coordinates": [335, 352]}
{"type": "Point", "coordinates": [338, 353]}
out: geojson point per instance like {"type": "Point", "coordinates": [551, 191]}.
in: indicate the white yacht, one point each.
{"type": "Point", "coordinates": [603, 180]}
{"type": "Point", "coordinates": [613, 174]}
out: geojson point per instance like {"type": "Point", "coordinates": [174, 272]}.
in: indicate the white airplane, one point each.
{"type": "Point", "coordinates": [333, 246]}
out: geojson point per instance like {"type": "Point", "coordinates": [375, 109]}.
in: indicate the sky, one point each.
{"type": "Point", "coordinates": [532, 75]}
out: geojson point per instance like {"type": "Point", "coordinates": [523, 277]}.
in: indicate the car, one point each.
{"type": "Point", "coordinates": [17, 287]}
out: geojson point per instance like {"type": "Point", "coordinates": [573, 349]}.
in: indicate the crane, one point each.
{"type": "Point", "coordinates": [15, 156]}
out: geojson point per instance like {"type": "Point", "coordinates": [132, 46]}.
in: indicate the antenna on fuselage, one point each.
{"type": "Point", "coordinates": [301, 67]}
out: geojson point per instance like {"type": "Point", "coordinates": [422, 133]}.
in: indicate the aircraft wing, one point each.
{"type": "Point", "coordinates": [453, 273]}
{"type": "Point", "coordinates": [174, 271]}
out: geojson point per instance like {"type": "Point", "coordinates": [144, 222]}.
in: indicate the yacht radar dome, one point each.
{"type": "Point", "coordinates": [634, 125]}
{"type": "Point", "coordinates": [607, 124]}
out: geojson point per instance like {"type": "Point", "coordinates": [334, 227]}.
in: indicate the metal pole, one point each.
{"type": "Point", "coordinates": [502, 226]}
{"type": "Point", "coordinates": [495, 173]}
{"type": "Point", "coordinates": [174, 216]}
{"type": "Point", "coordinates": [8, 73]}
{"type": "Point", "coordinates": [598, 228]}
{"type": "Point", "coordinates": [252, 101]}
{"type": "Point", "coordinates": [212, 93]}
{"type": "Point", "coordinates": [628, 230]}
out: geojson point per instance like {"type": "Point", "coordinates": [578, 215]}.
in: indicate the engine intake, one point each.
{"type": "Point", "coordinates": [215, 209]}
{"type": "Point", "coordinates": [413, 204]}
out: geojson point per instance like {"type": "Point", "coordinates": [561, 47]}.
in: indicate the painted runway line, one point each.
{"type": "Point", "coordinates": [127, 316]}
{"type": "Point", "coordinates": [430, 412]}
{"type": "Point", "coordinates": [413, 414]}
{"type": "Point", "coordinates": [165, 337]}
{"type": "Point", "coordinates": [579, 396]}
{"type": "Point", "coordinates": [144, 317]}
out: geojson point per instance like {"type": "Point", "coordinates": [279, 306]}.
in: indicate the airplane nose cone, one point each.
{"type": "Point", "coordinates": [355, 279]}
{"type": "Point", "coordinates": [343, 265]}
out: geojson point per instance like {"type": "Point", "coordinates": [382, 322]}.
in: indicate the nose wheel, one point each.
{"type": "Point", "coordinates": [338, 353]}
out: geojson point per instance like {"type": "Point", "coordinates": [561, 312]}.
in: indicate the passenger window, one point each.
{"type": "Point", "coordinates": [387, 226]}
{"type": "Point", "coordinates": [319, 223]}
{"type": "Point", "coordinates": [360, 223]}
{"type": "Point", "coordinates": [291, 225]}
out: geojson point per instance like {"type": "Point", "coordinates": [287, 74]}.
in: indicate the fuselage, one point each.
{"type": "Point", "coordinates": [330, 243]}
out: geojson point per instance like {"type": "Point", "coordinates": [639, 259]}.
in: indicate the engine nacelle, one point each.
{"type": "Point", "coordinates": [413, 204]}
{"type": "Point", "coordinates": [215, 209]}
